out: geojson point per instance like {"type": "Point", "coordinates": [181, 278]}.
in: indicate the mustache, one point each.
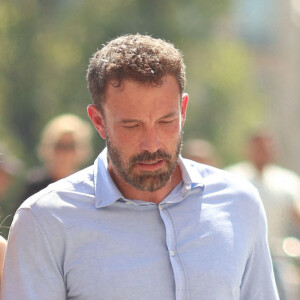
{"type": "Point", "coordinates": [147, 156]}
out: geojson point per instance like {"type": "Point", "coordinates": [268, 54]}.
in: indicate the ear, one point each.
{"type": "Point", "coordinates": [97, 119]}
{"type": "Point", "coordinates": [184, 102]}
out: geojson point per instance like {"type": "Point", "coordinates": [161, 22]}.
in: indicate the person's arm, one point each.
{"type": "Point", "coordinates": [2, 255]}
{"type": "Point", "coordinates": [258, 281]}
{"type": "Point", "coordinates": [32, 269]}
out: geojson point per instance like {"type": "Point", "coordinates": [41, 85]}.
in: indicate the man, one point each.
{"type": "Point", "coordinates": [280, 192]}
{"type": "Point", "coordinates": [142, 223]}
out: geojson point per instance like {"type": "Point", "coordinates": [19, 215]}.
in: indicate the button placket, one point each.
{"type": "Point", "coordinates": [171, 240]}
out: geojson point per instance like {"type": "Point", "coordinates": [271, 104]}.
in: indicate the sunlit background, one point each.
{"type": "Point", "coordinates": [242, 57]}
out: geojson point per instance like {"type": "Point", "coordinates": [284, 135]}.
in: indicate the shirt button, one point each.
{"type": "Point", "coordinates": [172, 253]}
{"type": "Point", "coordinates": [160, 207]}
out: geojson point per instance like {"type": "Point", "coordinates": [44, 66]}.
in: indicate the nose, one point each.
{"type": "Point", "coordinates": [150, 140]}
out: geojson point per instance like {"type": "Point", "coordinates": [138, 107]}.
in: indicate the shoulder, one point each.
{"type": "Point", "coordinates": [284, 174]}
{"type": "Point", "coordinates": [56, 209]}
{"type": "Point", "coordinates": [219, 179]}
{"type": "Point", "coordinates": [283, 180]}
{"type": "Point", "coordinates": [233, 184]}
{"type": "Point", "coordinates": [59, 192]}
{"type": "Point", "coordinates": [221, 186]}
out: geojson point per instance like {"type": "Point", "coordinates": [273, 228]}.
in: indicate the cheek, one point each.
{"type": "Point", "coordinates": [124, 138]}
{"type": "Point", "coordinates": [170, 137]}
{"type": "Point", "coordinates": [124, 141]}
{"type": "Point", "coordinates": [170, 132]}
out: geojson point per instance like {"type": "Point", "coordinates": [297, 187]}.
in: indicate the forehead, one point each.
{"type": "Point", "coordinates": [130, 94]}
{"type": "Point", "coordinates": [167, 81]}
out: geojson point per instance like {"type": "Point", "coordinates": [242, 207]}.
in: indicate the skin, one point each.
{"type": "Point", "coordinates": [6, 181]}
{"type": "Point", "coordinates": [142, 117]}
{"type": "Point", "coordinates": [261, 151]}
{"type": "Point", "coordinates": [2, 255]}
{"type": "Point", "coordinates": [64, 160]}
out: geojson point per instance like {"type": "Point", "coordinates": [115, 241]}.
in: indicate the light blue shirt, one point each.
{"type": "Point", "coordinates": [80, 239]}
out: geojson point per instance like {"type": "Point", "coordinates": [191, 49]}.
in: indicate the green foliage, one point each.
{"type": "Point", "coordinates": [47, 45]}
{"type": "Point", "coordinates": [227, 104]}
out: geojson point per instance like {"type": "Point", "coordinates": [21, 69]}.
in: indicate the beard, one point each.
{"type": "Point", "coordinates": [148, 181]}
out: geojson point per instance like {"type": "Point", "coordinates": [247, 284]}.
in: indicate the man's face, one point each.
{"type": "Point", "coordinates": [64, 157]}
{"type": "Point", "coordinates": [144, 178]}
{"type": "Point", "coordinates": [262, 150]}
{"type": "Point", "coordinates": [142, 125]}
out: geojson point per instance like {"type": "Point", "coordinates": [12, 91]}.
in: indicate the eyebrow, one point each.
{"type": "Point", "coordinates": [169, 115]}
{"type": "Point", "coordinates": [126, 121]}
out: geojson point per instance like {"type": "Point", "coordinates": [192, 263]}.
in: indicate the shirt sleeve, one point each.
{"type": "Point", "coordinates": [31, 269]}
{"type": "Point", "coordinates": [258, 281]}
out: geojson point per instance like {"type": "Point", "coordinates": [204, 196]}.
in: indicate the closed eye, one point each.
{"type": "Point", "coordinates": [166, 122]}
{"type": "Point", "coordinates": [130, 126]}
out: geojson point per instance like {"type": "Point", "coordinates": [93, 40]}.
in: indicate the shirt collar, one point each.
{"type": "Point", "coordinates": [190, 175]}
{"type": "Point", "coordinates": [106, 192]}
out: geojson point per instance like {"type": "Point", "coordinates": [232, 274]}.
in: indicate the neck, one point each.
{"type": "Point", "coordinates": [129, 192]}
{"type": "Point", "coordinates": [59, 173]}
{"type": "Point", "coordinates": [259, 167]}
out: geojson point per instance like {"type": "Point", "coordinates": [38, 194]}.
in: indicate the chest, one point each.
{"type": "Point", "coordinates": [176, 252]}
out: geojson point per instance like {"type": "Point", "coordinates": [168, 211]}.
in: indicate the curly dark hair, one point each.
{"type": "Point", "coordinates": [136, 57]}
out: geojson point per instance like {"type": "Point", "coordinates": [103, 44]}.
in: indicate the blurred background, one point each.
{"type": "Point", "coordinates": [242, 58]}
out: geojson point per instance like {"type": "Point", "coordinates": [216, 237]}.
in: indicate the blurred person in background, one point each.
{"type": "Point", "coordinates": [11, 179]}
{"type": "Point", "coordinates": [64, 147]}
{"type": "Point", "coordinates": [280, 192]}
{"type": "Point", "coordinates": [200, 151]}
{"type": "Point", "coordinates": [10, 168]}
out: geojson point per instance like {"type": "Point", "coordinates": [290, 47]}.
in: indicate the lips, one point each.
{"type": "Point", "coordinates": [150, 165]}
{"type": "Point", "coordinates": [150, 162]}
